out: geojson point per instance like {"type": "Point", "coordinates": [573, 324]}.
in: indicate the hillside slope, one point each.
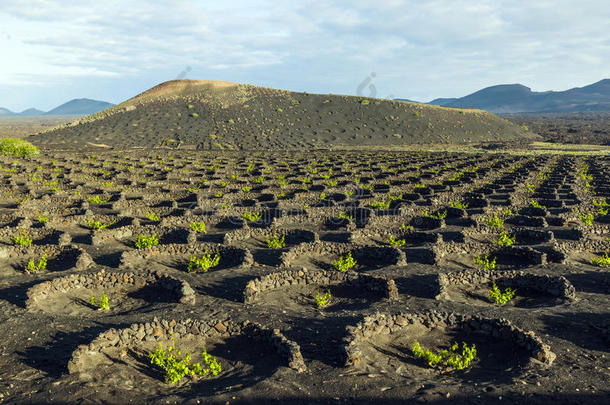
{"type": "Point", "coordinates": [224, 115]}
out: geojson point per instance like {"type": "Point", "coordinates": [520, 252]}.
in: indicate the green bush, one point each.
{"type": "Point", "coordinates": [198, 226]}
{"type": "Point", "coordinates": [175, 366]}
{"type": "Point", "coordinates": [603, 261]}
{"type": "Point", "coordinates": [276, 242]}
{"type": "Point", "coordinates": [203, 263]}
{"type": "Point", "coordinates": [505, 239]}
{"type": "Point", "coordinates": [103, 303]}
{"type": "Point", "coordinates": [96, 199]}
{"type": "Point", "coordinates": [152, 216]}
{"type": "Point", "coordinates": [22, 239]}
{"type": "Point", "coordinates": [95, 224]}
{"type": "Point", "coordinates": [323, 299]}
{"type": "Point", "coordinates": [252, 216]}
{"type": "Point", "coordinates": [32, 267]}
{"type": "Point", "coordinates": [440, 214]}
{"type": "Point", "coordinates": [484, 263]}
{"type": "Point", "coordinates": [344, 263]}
{"type": "Point", "coordinates": [345, 215]}
{"type": "Point", "coordinates": [586, 217]}
{"type": "Point", "coordinates": [147, 241]}
{"type": "Point", "coordinates": [459, 204]}
{"type": "Point", "coordinates": [380, 205]}
{"type": "Point", "coordinates": [451, 358]}
{"type": "Point", "coordinates": [17, 147]}
{"type": "Point", "coordinates": [396, 242]}
{"type": "Point", "coordinates": [499, 297]}
{"type": "Point", "coordinates": [494, 221]}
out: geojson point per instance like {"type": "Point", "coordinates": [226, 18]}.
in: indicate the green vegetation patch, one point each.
{"type": "Point", "coordinates": [323, 299]}
{"type": "Point", "coordinates": [175, 366]}
{"type": "Point", "coordinates": [499, 297]}
{"type": "Point", "coordinates": [451, 357]}
{"type": "Point", "coordinates": [203, 263]}
{"type": "Point", "coordinates": [17, 147]}
{"type": "Point", "coordinates": [344, 263]}
{"type": "Point", "coordinates": [603, 261]}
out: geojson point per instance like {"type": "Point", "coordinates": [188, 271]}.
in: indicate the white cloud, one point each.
{"type": "Point", "coordinates": [419, 49]}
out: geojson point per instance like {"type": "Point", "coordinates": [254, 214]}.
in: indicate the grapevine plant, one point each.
{"type": "Point", "coordinates": [175, 367]}
{"type": "Point", "coordinates": [452, 357]}
{"type": "Point", "coordinates": [499, 297]}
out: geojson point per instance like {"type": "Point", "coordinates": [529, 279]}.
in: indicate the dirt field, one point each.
{"type": "Point", "coordinates": [23, 126]}
{"type": "Point", "coordinates": [540, 220]}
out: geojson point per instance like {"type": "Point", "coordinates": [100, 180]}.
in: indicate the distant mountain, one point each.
{"type": "Point", "coordinates": [516, 98]}
{"type": "Point", "coordinates": [80, 106]}
{"type": "Point", "coordinates": [31, 111]}
{"type": "Point", "coordinates": [442, 101]}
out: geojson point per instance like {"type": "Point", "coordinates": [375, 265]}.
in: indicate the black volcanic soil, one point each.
{"type": "Point", "coordinates": [219, 115]}
{"type": "Point", "coordinates": [580, 128]}
{"type": "Point", "coordinates": [37, 342]}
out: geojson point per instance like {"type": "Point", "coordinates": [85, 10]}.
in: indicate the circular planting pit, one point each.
{"type": "Point", "coordinates": [126, 291]}
{"type": "Point", "coordinates": [533, 211]}
{"type": "Point", "coordinates": [531, 290]}
{"type": "Point", "coordinates": [533, 237]}
{"type": "Point", "coordinates": [178, 256]}
{"type": "Point", "coordinates": [57, 258]}
{"type": "Point", "coordinates": [366, 257]}
{"type": "Point", "coordinates": [99, 237]}
{"type": "Point", "coordinates": [384, 342]}
{"type": "Point", "coordinates": [36, 237]}
{"type": "Point", "coordinates": [520, 256]}
{"type": "Point", "coordinates": [527, 220]}
{"type": "Point", "coordinates": [427, 223]}
{"type": "Point", "coordinates": [297, 254]}
{"type": "Point", "coordinates": [164, 235]}
{"type": "Point", "coordinates": [338, 223]}
{"type": "Point", "coordinates": [291, 236]}
{"type": "Point", "coordinates": [411, 237]}
{"type": "Point", "coordinates": [378, 256]}
{"type": "Point", "coordinates": [477, 203]}
{"type": "Point", "coordinates": [298, 288]}
{"type": "Point", "coordinates": [247, 353]}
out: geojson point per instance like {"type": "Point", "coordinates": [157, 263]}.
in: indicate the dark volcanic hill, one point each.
{"type": "Point", "coordinates": [224, 115]}
{"type": "Point", "coordinates": [516, 98]}
{"type": "Point", "coordinates": [80, 106]}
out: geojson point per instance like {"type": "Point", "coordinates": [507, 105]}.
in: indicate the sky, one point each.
{"type": "Point", "coordinates": [54, 51]}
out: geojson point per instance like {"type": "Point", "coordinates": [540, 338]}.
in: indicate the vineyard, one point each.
{"type": "Point", "coordinates": [304, 277]}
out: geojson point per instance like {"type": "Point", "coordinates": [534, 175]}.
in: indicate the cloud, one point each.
{"type": "Point", "coordinates": [419, 50]}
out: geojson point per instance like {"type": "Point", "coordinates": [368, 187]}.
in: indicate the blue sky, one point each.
{"type": "Point", "coordinates": [53, 51]}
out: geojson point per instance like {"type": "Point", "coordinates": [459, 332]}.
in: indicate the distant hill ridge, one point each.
{"type": "Point", "coordinates": [78, 106]}
{"type": "Point", "coordinates": [516, 98]}
{"type": "Point", "coordinates": [225, 115]}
